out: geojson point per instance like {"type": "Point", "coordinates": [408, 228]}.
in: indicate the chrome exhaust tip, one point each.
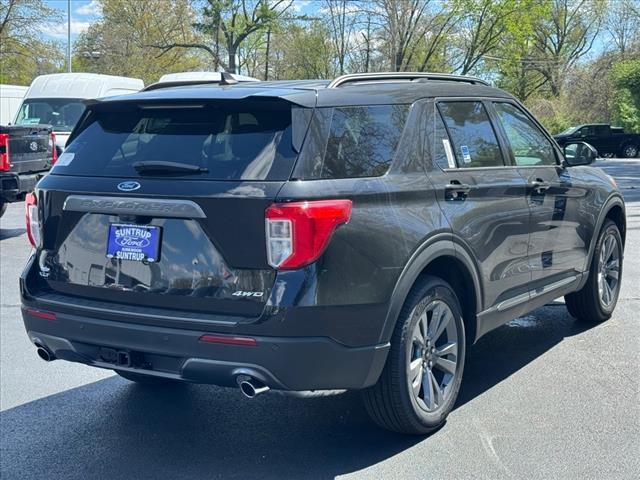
{"type": "Point", "coordinates": [45, 354]}
{"type": "Point", "coordinates": [250, 388]}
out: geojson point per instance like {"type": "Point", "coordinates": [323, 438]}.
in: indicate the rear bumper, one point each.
{"type": "Point", "coordinates": [284, 363]}
{"type": "Point", "coordinates": [13, 186]}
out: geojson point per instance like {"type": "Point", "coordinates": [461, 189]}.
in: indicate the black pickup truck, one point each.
{"type": "Point", "coordinates": [27, 152]}
{"type": "Point", "coordinates": [608, 140]}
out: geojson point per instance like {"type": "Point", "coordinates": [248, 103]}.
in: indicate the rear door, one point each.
{"type": "Point", "coordinates": [163, 206]}
{"type": "Point", "coordinates": [558, 201]}
{"type": "Point", "coordinates": [483, 199]}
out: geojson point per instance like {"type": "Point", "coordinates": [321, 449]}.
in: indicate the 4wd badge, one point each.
{"type": "Point", "coordinates": [242, 293]}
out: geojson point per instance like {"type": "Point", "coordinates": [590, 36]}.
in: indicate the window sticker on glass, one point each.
{"type": "Point", "coordinates": [449, 152]}
{"type": "Point", "coordinates": [65, 159]}
{"type": "Point", "coordinates": [466, 156]}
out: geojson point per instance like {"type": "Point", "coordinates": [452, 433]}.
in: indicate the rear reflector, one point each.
{"type": "Point", "coordinates": [33, 220]}
{"type": "Point", "coordinates": [229, 340]}
{"type": "Point", "coordinates": [5, 166]}
{"type": "Point", "coordinates": [298, 232]}
{"type": "Point", "coordinates": [39, 314]}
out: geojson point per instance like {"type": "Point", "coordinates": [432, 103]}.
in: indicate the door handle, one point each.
{"type": "Point", "coordinates": [539, 185]}
{"type": "Point", "coordinates": [455, 190]}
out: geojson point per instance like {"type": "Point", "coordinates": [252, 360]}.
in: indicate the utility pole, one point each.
{"type": "Point", "coordinates": [69, 36]}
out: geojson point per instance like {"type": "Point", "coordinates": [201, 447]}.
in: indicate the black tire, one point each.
{"type": "Point", "coordinates": [3, 207]}
{"type": "Point", "coordinates": [586, 304]}
{"type": "Point", "coordinates": [629, 150]}
{"type": "Point", "coordinates": [142, 379]}
{"type": "Point", "coordinates": [391, 402]}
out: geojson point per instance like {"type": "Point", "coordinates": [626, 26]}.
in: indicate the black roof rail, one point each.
{"type": "Point", "coordinates": [406, 76]}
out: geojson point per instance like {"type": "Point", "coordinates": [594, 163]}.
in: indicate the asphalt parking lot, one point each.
{"type": "Point", "coordinates": [543, 397]}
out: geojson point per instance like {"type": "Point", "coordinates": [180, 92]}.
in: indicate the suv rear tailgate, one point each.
{"type": "Point", "coordinates": [212, 255]}
{"type": "Point", "coordinates": [30, 147]}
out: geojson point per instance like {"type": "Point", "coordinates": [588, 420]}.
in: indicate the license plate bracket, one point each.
{"type": "Point", "coordinates": [138, 243]}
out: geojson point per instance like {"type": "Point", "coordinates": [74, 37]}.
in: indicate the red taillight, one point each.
{"type": "Point", "coordinates": [33, 219]}
{"type": "Point", "coordinates": [229, 340]}
{"type": "Point", "coordinates": [54, 152]}
{"type": "Point", "coordinates": [5, 166]}
{"type": "Point", "coordinates": [39, 314]}
{"type": "Point", "coordinates": [298, 232]}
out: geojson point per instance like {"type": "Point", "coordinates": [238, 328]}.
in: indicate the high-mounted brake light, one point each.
{"type": "Point", "coordinates": [5, 166]}
{"type": "Point", "coordinates": [54, 150]}
{"type": "Point", "coordinates": [33, 219]}
{"type": "Point", "coordinates": [298, 232]}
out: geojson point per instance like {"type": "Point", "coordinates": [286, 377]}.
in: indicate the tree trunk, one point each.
{"type": "Point", "coordinates": [233, 51]}
{"type": "Point", "coordinates": [266, 56]}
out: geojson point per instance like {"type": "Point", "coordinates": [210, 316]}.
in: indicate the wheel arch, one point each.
{"type": "Point", "coordinates": [444, 257]}
{"type": "Point", "coordinates": [613, 209]}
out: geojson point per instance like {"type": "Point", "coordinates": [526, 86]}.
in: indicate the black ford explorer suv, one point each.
{"type": "Point", "coordinates": [313, 236]}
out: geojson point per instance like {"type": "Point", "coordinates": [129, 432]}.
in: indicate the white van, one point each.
{"type": "Point", "coordinates": [57, 99]}
{"type": "Point", "coordinates": [10, 99]}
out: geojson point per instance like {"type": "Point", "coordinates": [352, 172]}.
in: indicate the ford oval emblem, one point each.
{"type": "Point", "coordinates": [128, 186]}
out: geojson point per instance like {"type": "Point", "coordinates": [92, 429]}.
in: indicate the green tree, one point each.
{"type": "Point", "coordinates": [412, 32]}
{"type": "Point", "coordinates": [230, 22]}
{"type": "Point", "coordinates": [303, 52]}
{"type": "Point", "coordinates": [626, 106]}
{"type": "Point", "coordinates": [23, 52]}
{"type": "Point", "coordinates": [564, 37]}
{"type": "Point", "coordinates": [122, 42]}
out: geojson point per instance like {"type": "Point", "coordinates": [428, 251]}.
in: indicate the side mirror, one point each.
{"type": "Point", "coordinates": [579, 153]}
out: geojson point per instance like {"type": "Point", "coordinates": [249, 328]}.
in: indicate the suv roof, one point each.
{"type": "Point", "coordinates": [389, 88]}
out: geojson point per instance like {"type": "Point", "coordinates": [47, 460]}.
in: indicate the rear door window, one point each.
{"type": "Point", "coordinates": [239, 141]}
{"type": "Point", "coordinates": [475, 144]}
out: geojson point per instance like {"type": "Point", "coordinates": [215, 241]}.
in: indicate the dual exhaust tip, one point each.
{"type": "Point", "coordinates": [251, 388]}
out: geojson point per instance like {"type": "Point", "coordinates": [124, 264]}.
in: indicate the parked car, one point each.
{"type": "Point", "coordinates": [57, 99]}
{"type": "Point", "coordinates": [10, 99]}
{"type": "Point", "coordinates": [26, 154]}
{"type": "Point", "coordinates": [607, 140]}
{"type": "Point", "coordinates": [313, 236]}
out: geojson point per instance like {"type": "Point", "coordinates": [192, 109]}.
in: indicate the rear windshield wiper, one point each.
{"type": "Point", "coordinates": [159, 166]}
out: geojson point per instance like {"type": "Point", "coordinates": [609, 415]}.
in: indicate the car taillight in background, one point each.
{"type": "Point", "coordinates": [298, 232]}
{"type": "Point", "coordinates": [5, 166]}
{"type": "Point", "coordinates": [54, 151]}
{"type": "Point", "coordinates": [33, 219]}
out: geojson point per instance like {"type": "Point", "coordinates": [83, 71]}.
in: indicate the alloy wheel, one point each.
{"type": "Point", "coordinates": [609, 270]}
{"type": "Point", "coordinates": [433, 360]}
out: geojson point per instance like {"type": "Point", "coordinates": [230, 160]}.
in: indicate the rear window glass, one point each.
{"type": "Point", "coordinates": [243, 141]}
{"type": "Point", "coordinates": [354, 141]}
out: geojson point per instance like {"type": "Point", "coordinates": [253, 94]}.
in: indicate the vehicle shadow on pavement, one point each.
{"type": "Point", "coordinates": [501, 353]}
{"type": "Point", "coordinates": [116, 429]}
{"type": "Point", "coordinates": [6, 233]}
